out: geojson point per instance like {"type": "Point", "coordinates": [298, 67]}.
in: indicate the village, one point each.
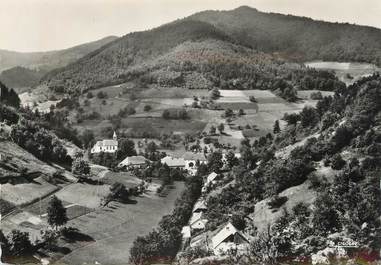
{"type": "Point", "coordinates": [220, 241]}
{"type": "Point", "coordinates": [153, 175]}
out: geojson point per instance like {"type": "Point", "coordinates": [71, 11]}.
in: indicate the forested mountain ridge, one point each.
{"type": "Point", "coordinates": [108, 64]}
{"type": "Point", "coordinates": [297, 37]}
{"type": "Point", "coordinates": [186, 53]}
{"type": "Point", "coordinates": [20, 78]}
{"type": "Point", "coordinates": [46, 61]}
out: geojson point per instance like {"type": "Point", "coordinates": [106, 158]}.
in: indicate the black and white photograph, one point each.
{"type": "Point", "coordinates": [190, 132]}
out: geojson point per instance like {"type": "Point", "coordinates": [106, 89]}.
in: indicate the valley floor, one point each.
{"type": "Point", "coordinates": [115, 228]}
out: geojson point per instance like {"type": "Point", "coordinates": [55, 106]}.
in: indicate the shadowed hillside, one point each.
{"type": "Point", "coordinates": [47, 61]}
{"type": "Point", "coordinates": [19, 78]}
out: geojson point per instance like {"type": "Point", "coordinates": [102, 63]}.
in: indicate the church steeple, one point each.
{"type": "Point", "coordinates": [114, 137]}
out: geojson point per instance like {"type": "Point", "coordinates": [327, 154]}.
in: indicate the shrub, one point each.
{"type": "Point", "coordinates": [277, 201]}
{"type": "Point", "coordinates": [147, 108]}
{"type": "Point", "coordinates": [20, 244]}
{"type": "Point", "coordinates": [175, 114]}
{"type": "Point", "coordinates": [337, 162]}
{"type": "Point", "coordinates": [101, 95]}
{"type": "Point", "coordinates": [80, 167]}
{"type": "Point", "coordinates": [8, 114]}
{"type": "Point", "coordinates": [316, 95]}
{"type": "Point", "coordinates": [239, 221]}
{"type": "Point", "coordinates": [215, 94]}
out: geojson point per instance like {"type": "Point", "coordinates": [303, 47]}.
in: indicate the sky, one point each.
{"type": "Point", "coordinates": [41, 25]}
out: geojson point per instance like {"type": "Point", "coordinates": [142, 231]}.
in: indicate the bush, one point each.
{"type": "Point", "coordinates": [80, 167]}
{"type": "Point", "coordinates": [193, 253]}
{"type": "Point", "coordinates": [147, 108]}
{"type": "Point", "coordinates": [8, 114]}
{"type": "Point", "coordinates": [316, 95]}
{"type": "Point", "coordinates": [309, 117]}
{"type": "Point", "coordinates": [101, 95]}
{"type": "Point", "coordinates": [337, 162]}
{"type": "Point", "coordinates": [215, 94]}
{"type": "Point", "coordinates": [238, 221]}
{"type": "Point", "coordinates": [20, 244]}
{"type": "Point", "coordinates": [175, 114]}
{"type": "Point", "coordinates": [277, 201]}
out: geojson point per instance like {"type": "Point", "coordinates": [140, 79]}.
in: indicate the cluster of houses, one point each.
{"type": "Point", "coordinates": [194, 234]}
{"type": "Point", "coordinates": [219, 241]}
{"type": "Point", "coordinates": [186, 161]}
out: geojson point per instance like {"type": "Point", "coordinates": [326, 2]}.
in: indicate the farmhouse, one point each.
{"type": "Point", "coordinates": [106, 146]}
{"type": "Point", "coordinates": [191, 160]}
{"type": "Point", "coordinates": [173, 162]}
{"type": "Point", "coordinates": [228, 238]}
{"type": "Point", "coordinates": [133, 162]}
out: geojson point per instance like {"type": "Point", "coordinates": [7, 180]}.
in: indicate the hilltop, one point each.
{"type": "Point", "coordinates": [296, 37]}
{"type": "Point", "coordinates": [273, 39]}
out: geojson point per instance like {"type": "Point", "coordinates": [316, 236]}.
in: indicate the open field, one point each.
{"type": "Point", "coordinates": [161, 126]}
{"type": "Point", "coordinates": [173, 92]}
{"type": "Point", "coordinates": [72, 210]}
{"type": "Point", "coordinates": [114, 228]}
{"type": "Point", "coordinates": [260, 116]}
{"type": "Point", "coordinates": [83, 194]}
{"type": "Point", "coordinates": [27, 192]}
{"type": "Point", "coordinates": [111, 229]}
{"type": "Point", "coordinates": [264, 215]}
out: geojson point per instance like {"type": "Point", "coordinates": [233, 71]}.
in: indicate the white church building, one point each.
{"type": "Point", "coordinates": [106, 146]}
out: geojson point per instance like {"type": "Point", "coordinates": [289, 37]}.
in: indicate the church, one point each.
{"type": "Point", "coordinates": [106, 146]}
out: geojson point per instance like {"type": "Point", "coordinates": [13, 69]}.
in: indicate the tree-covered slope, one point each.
{"type": "Point", "coordinates": [191, 54]}
{"type": "Point", "coordinates": [242, 31]}
{"type": "Point", "coordinates": [21, 77]}
{"type": "Point", "coordinates": [110, 63]}
{"type": "Point", "coordinates": [297, 37]}
{"type": "Point", "coordinates": [324, 192]}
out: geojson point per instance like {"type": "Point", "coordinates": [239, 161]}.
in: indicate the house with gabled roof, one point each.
{"type": "Point", "coordinates": [173, 162]}
{"type": "Point", "coordinates": [197, 221]}
{"type": "Point", "coordinates": [200, 206]}
{"type": "Point", "coordinates": [133, 161]}
{"type": "Point", "coordinates": [228, 238]}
